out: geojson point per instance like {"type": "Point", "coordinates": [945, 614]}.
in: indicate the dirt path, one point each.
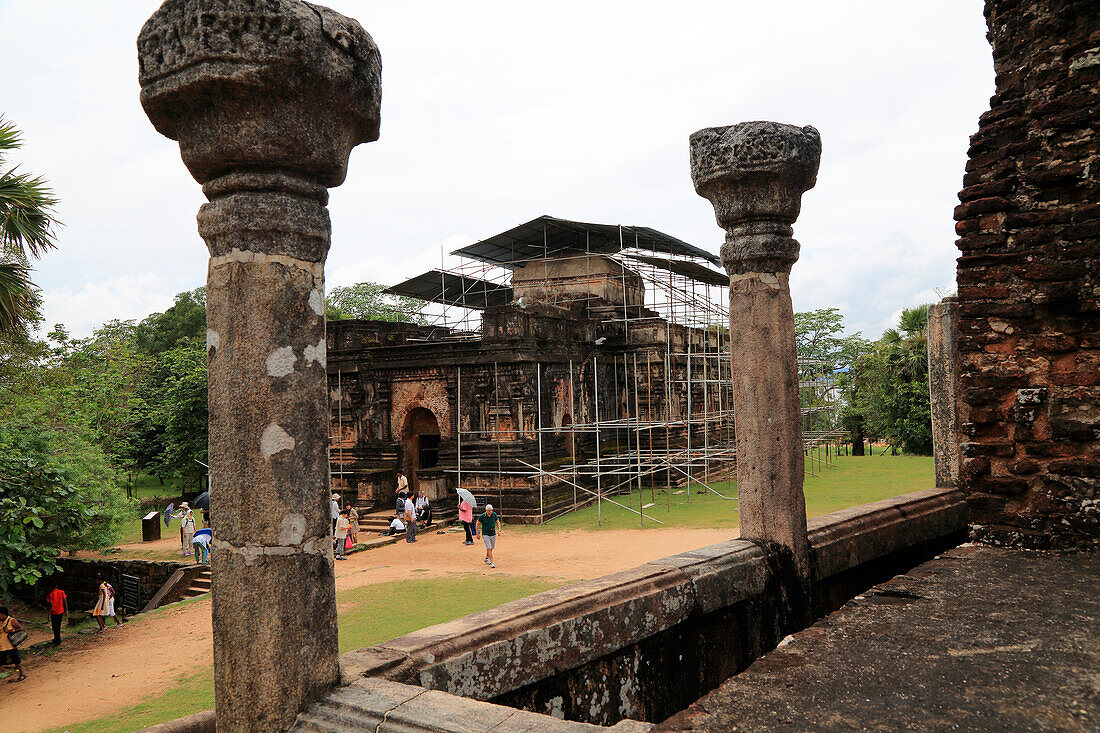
{"type": "Point", "coordinates": [95, 675]}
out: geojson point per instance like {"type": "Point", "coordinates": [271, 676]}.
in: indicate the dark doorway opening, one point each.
{"type": "Point", "coordinates": [420, 443]}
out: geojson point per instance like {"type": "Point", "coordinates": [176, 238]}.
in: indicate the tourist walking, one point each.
{"type": "Point", "coordinates": [466, 516]}
{"type": "Point", "coordinates": [410, 520]}
{"type": "Point", "coordinates": [489, 526]}
{"type": "Point", "coordinates": [9, 655]}
{"type": "Point", "coordinates": [201, 543]}
{"type": "Point", "coordinates": [423, 509]}
{"type": "Point", "coordinates": [334, 508]}
{"type": "Point", "coordinates": [187, 527]}
{"type": "Point", "coordinates": [353, 525]}
{"type": "Point", "coordinates": [105, 605]}
{"type": "Point", "coordinates": [341, 534]}
{"type": "Point", "coordinates": [59, 606]}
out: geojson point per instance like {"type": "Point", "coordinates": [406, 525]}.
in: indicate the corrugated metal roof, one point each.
{"type": "Point", "coordinates": [546, 235]}
{"type": "Point", "coordinates": [692, 270]}
{"type": "Point", "coordinates": [451, 289]}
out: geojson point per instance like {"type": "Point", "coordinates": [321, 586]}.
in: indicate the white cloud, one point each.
{"type": "Point", "coordinates": [122, 298]}
{"type": "Point", "coordinates": [497, 112]}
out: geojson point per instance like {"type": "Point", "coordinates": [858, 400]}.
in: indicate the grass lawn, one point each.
{"type": "Point", "coordinates": [367, 615]}
{"type": "Point", "coordinates": [850, 482]}
{"type": "Point", "coordinates": [149, 486]}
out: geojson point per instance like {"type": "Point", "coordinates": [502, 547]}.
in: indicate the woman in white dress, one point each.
{"type": "Point", "coordinates": [105, 605]}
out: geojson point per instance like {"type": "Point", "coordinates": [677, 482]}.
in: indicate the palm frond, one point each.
{"type": "Point", "coordinates": [9, 135]}
{"type": "Point", "coordinates": [26, 220]}
{"type": "Point", "coordinates": [18, 299]}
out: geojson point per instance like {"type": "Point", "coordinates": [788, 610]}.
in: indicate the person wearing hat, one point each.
{"type": "Point", "coordinates": [334, 508]}
{"type": "Point", "coordinates": [341, 535]}
{"type": "Point", "coordinates": [187, 527]}
{"type": "Point", "coordinates": [489, 525]}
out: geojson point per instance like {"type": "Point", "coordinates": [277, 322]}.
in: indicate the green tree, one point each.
{"type": "Point", "coordinates": [26, 231]}
{"type": "Point", "coordinates": [369, 301]}
{"type": "Point", "coordinates": [161, 366]}
{"type": "Point", "coordinates": [890, 385]}
{"type": "Point", "coordinates": [183, 323]}
{"type": "Point", "coordinates": [826, 354]}
{"type": "Point", "coordinates": [58, 489]}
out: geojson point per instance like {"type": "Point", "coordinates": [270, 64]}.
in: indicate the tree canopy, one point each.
{"type": "Point", "coordinates": [889, 385]}
{"type": "Point", "coordinates": [369, 301]}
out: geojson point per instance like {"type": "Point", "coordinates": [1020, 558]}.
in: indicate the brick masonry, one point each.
{"type": "Point", "coordinates": [1029, 283]}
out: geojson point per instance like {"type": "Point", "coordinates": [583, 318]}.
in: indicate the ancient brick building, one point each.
{"type": "Point", "coordinates": [570, 389]}
{"type": "Point", "coordinates": [1029, 283]}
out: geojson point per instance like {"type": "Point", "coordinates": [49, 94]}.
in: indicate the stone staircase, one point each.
{"type": "Point", "coordinates": [188, 582]}
{"type": "Point", "coordinates": [199, 585]}
{"type": "Point", "coordinates": [376, 521]}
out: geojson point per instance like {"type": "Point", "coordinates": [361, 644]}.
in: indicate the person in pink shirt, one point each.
{"type": "Point", "coordinates": [466, 516]}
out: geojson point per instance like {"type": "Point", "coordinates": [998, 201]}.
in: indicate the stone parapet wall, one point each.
{"type": "Point", "coordinates": [1029, 283]}
{"type": "Point", "coordinates": [648, 641]}
{"type": "Point", "coordinates": [78, 578]}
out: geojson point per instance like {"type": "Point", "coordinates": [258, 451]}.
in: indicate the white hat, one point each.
{"type": "Point", "coordinates": [336, 497]}
{"type": "Point", "coordinates": [184, 505]}
{"type": "Point", "coordinates": [488, 507]}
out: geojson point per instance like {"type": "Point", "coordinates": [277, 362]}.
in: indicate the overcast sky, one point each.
{"type": "Point", "coordinates": [496, 112]}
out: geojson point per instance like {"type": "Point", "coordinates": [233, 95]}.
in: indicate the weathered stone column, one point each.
{"type": "Point", "coordinates": [942, 378]}
{"type": "Point", "coordinates": [266, 98]}
{"type": "Point", "coordinates": [754, 173]}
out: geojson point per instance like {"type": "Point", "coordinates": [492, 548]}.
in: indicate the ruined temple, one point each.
{"type": "Point", "coordinates": [1029, 284]}
{"type": "Point", "coordinates": [585, 352]}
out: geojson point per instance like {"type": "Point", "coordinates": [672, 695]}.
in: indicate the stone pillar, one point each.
{"type": "Point", "coordinates": [754, 173]}
{"type": "Point", "coordinates": [942, 377]}
{"type": "Point", "coordinates": [266, 98]}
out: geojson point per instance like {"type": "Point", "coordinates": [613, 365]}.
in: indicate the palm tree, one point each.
{"type": "Point", "coordinates": [26, 231]}
{"type": "Point", "coordinates": [906, 347]}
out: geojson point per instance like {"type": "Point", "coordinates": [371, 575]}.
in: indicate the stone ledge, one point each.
{"type": "Point", "coordinates": [502, 649]}
{"type": "Point", "coordinates": [850, 537]}
{"type": "Point", "coordinates": [391, 707]}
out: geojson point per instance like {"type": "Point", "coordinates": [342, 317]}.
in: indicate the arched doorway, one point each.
{"type": "Point", "coordinates": [420, 443]}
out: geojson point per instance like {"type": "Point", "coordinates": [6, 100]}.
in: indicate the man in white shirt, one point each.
{"type": "Point", "coordinates": [423, 508]}
{"type": "Point", "coordinates": [410, 520]}
{"type": "Point", "coordinates": [335, 509]}
{"type": "Point", "coordinates": [396, 526]}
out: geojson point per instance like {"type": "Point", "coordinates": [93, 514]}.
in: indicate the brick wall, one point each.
{"type": "Point", "coordinates": [1029, 283]}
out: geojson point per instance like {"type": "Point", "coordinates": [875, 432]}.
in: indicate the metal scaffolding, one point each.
{"type": "Point", "coordinates": [668, 426]}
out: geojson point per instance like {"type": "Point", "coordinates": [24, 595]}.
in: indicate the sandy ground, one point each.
{"type": "Point", "coordinates": [93, 675]}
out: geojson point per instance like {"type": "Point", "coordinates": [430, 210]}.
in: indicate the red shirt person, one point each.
{"type": "Point", "coordinates": [58, 607]}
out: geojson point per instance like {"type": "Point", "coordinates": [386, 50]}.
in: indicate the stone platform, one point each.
{"type": "Point", "coordinates": [979, 639]}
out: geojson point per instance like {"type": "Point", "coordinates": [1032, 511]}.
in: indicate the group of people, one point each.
{"type": "Point", "coordinates": [192, 540]}
{"type": "Point", "coordinates": [486, 527]}
{"type": "Point", "coordinates": [12, 633]}
{"type": "Point", "coordinates": [412, 512]}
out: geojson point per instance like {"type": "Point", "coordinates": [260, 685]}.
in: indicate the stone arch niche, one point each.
{"type": "Point", "coordinates": [420, 438]}
{"type": "Point", "coordinates": [567, 436]}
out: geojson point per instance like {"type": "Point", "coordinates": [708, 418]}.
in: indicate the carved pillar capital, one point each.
{"type": "Point", "coordinates": [266, 99]}
{"type": "Point", "coordinates": [754, 174]}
